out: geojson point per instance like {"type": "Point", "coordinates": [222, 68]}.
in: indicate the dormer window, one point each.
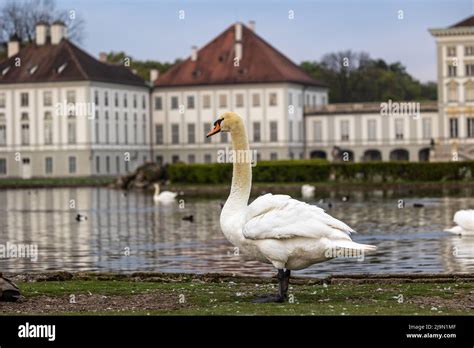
{"type": "Point", "coordinates": [61, 68]}
{"type": "Point", "coordinates": [5, 70]}
{"type": "Point", "coordinates": [33, 69]}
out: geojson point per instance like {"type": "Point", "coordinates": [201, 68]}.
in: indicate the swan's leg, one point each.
{"type": "Point", "coordinates": [283, 278]}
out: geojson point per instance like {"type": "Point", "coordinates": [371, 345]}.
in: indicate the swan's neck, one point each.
{"type": "Point", "coordinates": [157, 190]}
{"type": "Point", "coordinates": [241, 174]}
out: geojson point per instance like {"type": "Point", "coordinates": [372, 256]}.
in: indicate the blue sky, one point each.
{"type": "Point", "coordinates": [151, 29]}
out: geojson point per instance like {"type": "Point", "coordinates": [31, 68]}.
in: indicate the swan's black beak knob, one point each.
{"type": "Point", "coordinates": [216, 129]}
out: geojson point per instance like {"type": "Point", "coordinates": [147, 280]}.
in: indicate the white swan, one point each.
{"type": "Point", "coordinates": [307, 191]}
{"type": "Point", "coordinates": [464, 219]}
{"type": "Point", "coordinates": [276, 229]}
{"type": "Point", "coordinates": [163, 197]}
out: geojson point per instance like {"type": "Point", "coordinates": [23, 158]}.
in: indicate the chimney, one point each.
{"type": "Point", "coordinates": [13, 46]}
{"type": "Point", "coordinates": [252, 25]}
{"type": "Point", "coordinates": [41, 32]}
{"type": "Point", "coordinates": [238, 31]}
{"type": "Point", "coordinates": [154, 74]}
{"type": "Point", "coordinates": [103, 57]}
{"type": "Point", "coordinates": [238, 41]}
{"type": "Point", "coordinates": [58, 32]}
{"type": "Point", "coordinates": [194, 53]}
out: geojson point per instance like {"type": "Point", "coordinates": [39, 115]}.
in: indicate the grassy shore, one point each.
{"type": "Point", "coordinates": [182, 294]}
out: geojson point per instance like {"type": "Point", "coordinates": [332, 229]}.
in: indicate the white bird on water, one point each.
{"type": "Point", "coordinates": [163, 197]}
{"type": "Point", "coordinates": [277, 229]}
{"type": "Point", "coordinates": [307, 191]}
{"type": "Point", "coordinates": [464, 219]}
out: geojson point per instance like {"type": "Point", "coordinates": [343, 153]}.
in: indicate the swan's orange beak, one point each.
{"type": "Point", "coordinates": [216, 129]}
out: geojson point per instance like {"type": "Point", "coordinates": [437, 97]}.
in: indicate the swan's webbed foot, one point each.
{"type": "Point", "coordinates": [283, 283]}
{"type": "Point", "coordinates": [269, 298]}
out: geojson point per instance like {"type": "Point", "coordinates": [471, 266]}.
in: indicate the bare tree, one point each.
{"type": "Point", "coordinates": [20, 17]}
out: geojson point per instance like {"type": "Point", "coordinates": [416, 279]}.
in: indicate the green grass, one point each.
{"type": "Point", "coordinates": [231, 298]}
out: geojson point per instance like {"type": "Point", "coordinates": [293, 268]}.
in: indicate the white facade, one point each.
{"type": "Point", "coordinates": [273, 113]}
{"type": "Point", "coordinates": [38, 139]}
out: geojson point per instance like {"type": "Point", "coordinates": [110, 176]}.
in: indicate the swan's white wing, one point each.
{"type": "Point", "coordinates": [465, 219]}
{"type": "Point", "coordinates": [281, 217]}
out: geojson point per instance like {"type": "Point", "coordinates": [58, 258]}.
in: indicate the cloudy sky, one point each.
{"type": "Point", "coordinates": [152, 29]}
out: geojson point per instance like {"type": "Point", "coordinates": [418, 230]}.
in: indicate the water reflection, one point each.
{"type": "Point", "coordinates": [130, 233]}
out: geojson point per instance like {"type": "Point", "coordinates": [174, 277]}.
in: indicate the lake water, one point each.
{"type": "Point", "coordinates": [130, 233]}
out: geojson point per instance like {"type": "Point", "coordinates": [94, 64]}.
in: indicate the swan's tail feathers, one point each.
{"type": "Point", "coordinates": [455, 230]}
{"type": "Point", "coordinates": [350, 245]}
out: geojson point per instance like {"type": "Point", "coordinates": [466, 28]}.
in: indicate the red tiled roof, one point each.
{"type": "Point", "coordinates": [468, 22]}
{"type": "Point", "coordinates": [48, 58]}
{"type": "Point", "coordinates": [260, 63]}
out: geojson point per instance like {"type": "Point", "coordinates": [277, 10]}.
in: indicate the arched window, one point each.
{"type": "Point", "coordinates": [469, 91]}
{"type": "Point", "coordinates": [453, 92]}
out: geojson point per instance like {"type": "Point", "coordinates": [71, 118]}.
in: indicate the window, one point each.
{"type": "Point", "coordinates": [159, 160]}
{"type": "Point", "coordinates": [452, 70]}
{"type": "Point", "coordinates": [273, 131]}
{"type": "Point", "coordinates": [135, 101]}
{"type": "Point", "coordinates": [175, 133]}
{"type": "Point", "coordinates": [426, 128]}
{"type": "Point", "coordinates": [239, 100]}
{"type": "Point", "coordinates": [125, 132]}
{"type": "Point", "coordinates": [290, 98]}
{"type": "Point", "coordinates": [371, 130]}
{"type": "Point", "coordinates": [116, 100]}
{"type": "Point", "coordinates": [222, 101]}
{"type": "Point", "coordinates": [71, 132]}
{"type": "Point", "coordinates": [47, 98]}
{"type": "Point", "coordinates": [469, 50]}
{"type": "Point", "coordinates": [451, 51]}
{"type": "Point", "coordinates": [135, 135]}
{"type": "Point", "coordinates": [3, 166]}
{"type": "Point", "coordinates": [206, 126]}
{"type": "Point", "coordinates": [273, 156]}
{"type": "Point", "coordinates": [469, 91]}
{"type": "Point", "coordinates": [453, 92]}
{"type": "Point", "coordinates": [190, 102]}
{"type": "Point", "coordinates": [117, 164]}
{"type": "Point", "coordinates": [318, 131]}
{"type": "Point", "coordinates": [2, 100]}
{"type": "Point", "coordinates": [256, 132]}
{"type": "Point", "coordinates": [107, 164]}
{"type": "Point", "coordinates": [399, 129]}
{"type": "Point", "coordinates": [96, 97]}
{"type": "Point", "coordinates": [106, 98]}
{"type": "Point", "coordinates": [25, 134]}
{"type": "Point", "coordinates": [256, 99]}
{"type": "Point", "coordinates": [290, 131]}
{"type": "Point", "coordinates": [158, 103]}
{"type": "Point", "coordinates": [314, 100]}
{"type": "Point", "coordinates": [107, 133]}
{"type": "Point", "coordinates": [175, 158]}
{"type": "Point", "coordinates": [272, 100]}
{"type": "Point", "coordinates": [191, 133]}
{"type": "Point", "coordinates": [158, 134]}
{"type": "Point", "coordinates": [48, 128]}
{"type": "Point", "coordinates": [191, 158]}
{"type": "Point", "coordinates": [224, 138]}
{"type": "Point", "coordinates": [174, 103]}
{"type": "Point", "coordinates": [72, 164]}
{"type": "Point", "coordinates": [48, 165]}
{"type": "Point", "coordinates": [24, 99]}
{"type": "Point", "coordinates": [207, 158]}
{"type": "Point", "coordinates": [469, 69]}
{"type": "Point", "coordinates": [345, 130]}
{"type": "Point", "coordinates": [470, 127]}
{"type": "Point", "coordinates": [24, 116]}
{"type": "Point", "coordinates": [117, 131]}
{"type": "Point", "coordinates": [300, 130]}
{"type": "Point", "coordinates": [307, 100]}
{"type": "Point", "coordinates": [206, 102]}
{"type": "Point", "coordinates": [300, 103]}
{"type": "Point", "coordinates": [453, 127]}
{"type": "Point", "coordinates": [125, 101]}
{"type": "Point", "coordinates": [144, 102]}
{"type": "Point", "coordinates": [97, 164]}
{"type": "Point", "coordinates": [3, 135]}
